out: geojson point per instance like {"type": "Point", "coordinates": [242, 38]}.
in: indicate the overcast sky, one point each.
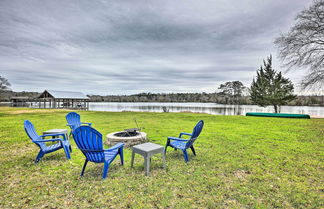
{"type": "Point", "coordinates": [126, 47]}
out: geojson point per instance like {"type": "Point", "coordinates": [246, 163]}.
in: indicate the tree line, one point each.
{"type": "Point", "coordinates": [219, 98]}
{"type": "Point", "coordinates": [172, 97]}
{"type": "Point", "coordinates": [232, 92]}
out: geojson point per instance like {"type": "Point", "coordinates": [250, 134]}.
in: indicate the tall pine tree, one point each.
{"type": "Point", "coordinates": [271, 88]}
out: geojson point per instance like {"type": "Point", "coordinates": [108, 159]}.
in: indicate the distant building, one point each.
{"type": "Point", "coordinates": [19, 101]}
{"type": "Point", "coordinates": [63, 99]}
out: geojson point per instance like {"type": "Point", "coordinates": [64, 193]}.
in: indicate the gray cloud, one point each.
{"type": "Point", "coordinates": [125, 47]}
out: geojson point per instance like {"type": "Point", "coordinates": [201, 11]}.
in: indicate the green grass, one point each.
{"type": "Point", "coordinates": [250, 162]}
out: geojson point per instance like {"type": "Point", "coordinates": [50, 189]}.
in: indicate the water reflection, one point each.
{"type": "Point", "coordinates": [210, 108]}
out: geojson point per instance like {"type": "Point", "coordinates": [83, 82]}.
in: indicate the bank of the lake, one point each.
{"type": "Point", "coordinates": [209, 108]}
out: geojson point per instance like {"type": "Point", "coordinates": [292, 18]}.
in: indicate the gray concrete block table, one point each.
{"type": "Point", "coordinates": [147, 150]}
{"type": "Point", "coordinates": [57, 131]}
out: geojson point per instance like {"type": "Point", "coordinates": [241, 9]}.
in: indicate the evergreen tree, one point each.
{"type": "Point", "coordinates": [271, 88]}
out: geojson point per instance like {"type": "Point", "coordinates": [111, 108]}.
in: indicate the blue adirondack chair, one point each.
{"type": "Point", "coordinates": [74, 121]}
{"type": "Point", "coordinates": [63, 143]}
{"type": "Point", "coordinates": [89, 141]}
{"type": "Point", "coordinates": [184, 144]}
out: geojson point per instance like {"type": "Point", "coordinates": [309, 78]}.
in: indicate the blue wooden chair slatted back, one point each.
{"type": "Point", "coordinates": [73, 119]}
{"type": "Point", "coordinates": [184, 144]}
{"type": "Point", "coordinates": [89, 142]}
{"type": "Point", "coordinates": [40, 142]}
{"type": "Point", "coordinates": [31, 132]}
{"type": "Point", "coordinates": [195, 133]}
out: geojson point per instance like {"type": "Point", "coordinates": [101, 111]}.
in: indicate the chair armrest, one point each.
{"type": "Point", "coordinates": [69, 125]}
{"type": "Point", "coordinates": [183, 133]}
{"type": "Point", "coordinates": [177, 139]}
{"type": "Point", "coordinates": [116, 146]}
{"type": "Point", "coordinates": [48, 140]}
{"type": "Point", "coordinates": [86, 123]}
{"type": "Point", "coordinates": [58, 134]}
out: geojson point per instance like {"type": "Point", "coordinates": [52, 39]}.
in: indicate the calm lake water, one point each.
{"type": "Point", "coordinates": [210, 108]}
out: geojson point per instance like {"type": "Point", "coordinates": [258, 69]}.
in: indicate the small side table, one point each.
{"type": "Point", "coordinates": [147, 150]}
{"type": "Point", "coordinates": [58, 131]}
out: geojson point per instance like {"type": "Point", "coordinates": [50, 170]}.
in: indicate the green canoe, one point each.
{"type": "Point", "coordinates": [279, 115]}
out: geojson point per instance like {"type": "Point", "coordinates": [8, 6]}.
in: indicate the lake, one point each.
{"type": "Point", "coordinates": [210, 108]}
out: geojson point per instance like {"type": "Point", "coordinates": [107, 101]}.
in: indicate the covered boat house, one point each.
{"type": "Point", "coordinates": [17, 101]}
{"type": "Point", "coordinates": [63, 99]}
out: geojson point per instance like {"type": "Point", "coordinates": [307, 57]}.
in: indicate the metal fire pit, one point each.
{"type": "Point", "coordinates": [129, 137]}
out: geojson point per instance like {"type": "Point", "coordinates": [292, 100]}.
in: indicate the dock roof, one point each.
{"type": "Point", "coordinates": [63, 94]}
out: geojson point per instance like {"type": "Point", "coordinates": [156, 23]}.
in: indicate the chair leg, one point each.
{"type": "Point", "coordinates": [105, 170]}
{"type": "Point", "coordinates": [166, 146]}
{"type": "Point", "coordinates": [67, 152]}
{"type": "Point", "coordinates": [121, 154]}
{"type": "Point", "coordinates": [185, 155]}
{"type": "Point", "coordinates": [39, 156]}
{"type": "Point", "coordinates": [70, 148]}
{"type": "Point", "coordinates": [70, 134]}
{"type": "Point", "coordinates": [193, 150]}
{"type": "Point", "coordinates": [84, 166]}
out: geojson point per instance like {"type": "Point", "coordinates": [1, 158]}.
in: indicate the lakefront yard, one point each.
{"type": "Point", "coordinates": [241, 162]}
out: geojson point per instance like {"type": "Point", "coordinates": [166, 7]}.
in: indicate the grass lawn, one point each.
{"type": "Point", "coordinates": [250, 162]}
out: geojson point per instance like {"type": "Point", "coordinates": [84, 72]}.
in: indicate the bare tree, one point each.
{"type": "Point", "coordinates": [4, 84]}
{"type": "Point", "coordinates": [303, 45]}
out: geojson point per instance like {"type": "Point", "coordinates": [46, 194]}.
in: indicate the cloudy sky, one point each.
{"type": "Point", "coordinates": [131, 46]}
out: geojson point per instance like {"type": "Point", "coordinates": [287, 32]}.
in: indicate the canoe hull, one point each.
{"type": "Point", "coordinates": [278, 115]}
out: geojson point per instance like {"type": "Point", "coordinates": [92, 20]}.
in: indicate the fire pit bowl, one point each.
{"type": "Point", "coordinates": [129, 137]}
